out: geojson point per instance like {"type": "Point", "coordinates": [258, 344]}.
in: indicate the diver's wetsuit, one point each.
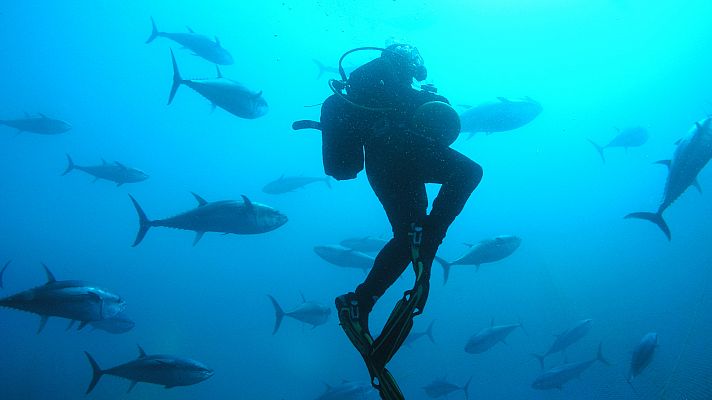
{"type": "Point", "coordinates": [398, 165]}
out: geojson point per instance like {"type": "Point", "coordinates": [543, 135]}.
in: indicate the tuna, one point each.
{"type": "Point", "coordinates": [75, 300]}
{"type": "Point", "coordinates": [309, 312]}
{"type": "Point", "coordinates": [200, 45]}
{"type": "Point", "coordinates": [345, 257]}
{"type": "Point", "coordinates": [566, 339]}
{"type": "Point", "coordinates": [116, 172]}
{"type": "Point", "coordinates": [690, 157]}
{"type": "Point", "coordinates": [225, 216]}
{"type": "Point", "coordinates": [630, 137]}
{"type": "Point", "coordinates": [486, 251]}
{"type": "Point", "coordinates": [499, 116]}
{"type": "Point", "coordinates": [366, 244]}
{"type": "Point", "coordinates": [286, 184]}
{"type": "Point", "coordinates": [348, 391]}
{"type": "Point", "coordinates": [414, 336]}
{"type": "Point", "coordinates": [161, 369]}
{"type": "Point", "coordinates": [441, 388]}
{"type": "Point", "coordinates": [642, 355]}
{"type": "Point", "coordinates": [555, 378]}
{"type": "Point", "coordinates": [43, 125]}
{"type": "Point", "coordinates": [488, 337]}
{"type": "Point", "coordinates": [225, 93]}
{"type": "Point", "coordinates": [119, 323]}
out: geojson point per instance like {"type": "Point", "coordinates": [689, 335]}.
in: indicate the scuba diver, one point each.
{"type": "Point", "coordinates": [402, 136]}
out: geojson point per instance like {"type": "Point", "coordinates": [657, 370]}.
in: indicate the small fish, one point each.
{"type": "Point", "coordinates": [693, 152]}
{"type": "Point", "coordinates": [555, 378]}
{"type": "Point", "coordinates": [566, 339]}
{"type": "Point", "coordinates": [630, 137]}
{"type": "Point", "coordinates": [225, 216]}
{"type": "Point", "coordinates": [345, 257]}
{"type": "Point", "coordinates": [642, 355]}
{"type": "Point", "coordinates": [309, 312]}
{"type": "Point", "coordinates": [225, 93]}
{"type": "Point", "coordinates": [486, 251]}
{"type": "Point", "coordinates": [74, 300]}
{"type": "Point", "coordinates": [366, 244]}
{"type": "Point", "coordinates": [42, 125]}
{"type": "Point", "coordinates": [161, 369]}
{"type": "Point", "coordinates": [441, 388]}
{"type": "Point", "coordinates": [116, 172]}
{"type": "Point", "coordinates": [348, 390]}
{"type": "Point", "coordinates": [201, 45]}
{"type": "Point", "coordinates": [286, 184]}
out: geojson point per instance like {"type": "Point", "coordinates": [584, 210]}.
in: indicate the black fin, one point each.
{"type": "Point", "coordinates": [2, 272]}
{"type": "Point", "coordinates": [141, 352]}
{"type": "Point", "coordinates": [201, 201]}
{"type": "Point", "coordinates": [177, 80]}
{"type": "Point", "coordinates": [96, 372]}
{"type": "Point", "coordinates": [248, 204]}
{"type": "Point", "coordinates": [599, 148]}
{"type": "Point", "coordinates": [70, 165]}
{"type": "Point", "coordinates": [655, 218]}
{"type": "Point", "coordinates": [154, 32]}
{"type": "Point", "coordinates": [278, 314]}
{"type": "Point", "coordinates": [143, 222]}
{"type": "Point", "coordinates": [50, 275]}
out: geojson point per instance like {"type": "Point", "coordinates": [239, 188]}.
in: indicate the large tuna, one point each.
{"type": "Point", "coordinates": [75, 300]}
{"type": "Point", "coordinates": [225, 216]}
{"type": "Point", "coordinates": [225, 93]}
{"type": "Point", "coordinates": [116, 172]}
{"type": "Point", "coordinates": [691, 155]}
{"type": "Point", "coordinates": [499, 116]}
{"type": "Point", "coordinates": [365, 244]}
{"type": "Point", "coordinates": [201, 45]}
{"type": "Point", "coordinates": [43, 125]}
{"type": "Point", "coordinates": [566, 339]}
{"type": "Point", "coordinates": [486, 251]}
{"type": "Point", "coordinates": [345, 257]}
{"type": "Point", "coordinates": [286, 184]}
{"type": "Point", "coordinates": [161, 369]}
{"type": "Point", "coordinates": [642, 355]}
{"type": "Point", "coordinates": [629, 137]}
{"type": "Point", "coordinates": [555, 378]}
{"type": "Point", "coordinates": [309, 312]}
{"type": "Point", "coordinates": [443, 388]}
{"type": "Point", "coordinates": [488, 337]}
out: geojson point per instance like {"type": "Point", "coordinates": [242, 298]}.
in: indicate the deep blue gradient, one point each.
{"type": "Point", "coordinates": [594, 67]}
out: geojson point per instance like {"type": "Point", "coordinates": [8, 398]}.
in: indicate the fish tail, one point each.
{"type": "Point", "coordinates": [70, 165]}
{"type": "Point", "coordinates": [599, 356]}
{"type": "Point", "coordinates": [321, 67]}
{"type": "Point", "coordinates": [2, 271]}
{"type": "Point", "coordinates": [278, 314]}
{"type": "Point", "coordinates": [656, 218]}
{"type": "Point", "coordinates": [599, 148]}
{"type": "Point", "coordinates": [143, 222]}
{"type": "Point", "coordinates": [154, 32]}
{"type": "Point", "coordinates": [541, 358]}
{"type": "Point", "coordinates": [96, 371]}
{"type": "Point", "coordinates": [466, 389]}
{"type": "Point", "coordinates": [177, 80]}
{"type": "Point", "coordinates": [429, 331]}
{"type": "Point", "coordinates": [446, 268]}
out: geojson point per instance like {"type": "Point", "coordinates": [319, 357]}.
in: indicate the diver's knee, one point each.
{"type": "Point", "coordinates": [470, 175]}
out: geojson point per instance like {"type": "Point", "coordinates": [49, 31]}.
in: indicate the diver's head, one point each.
{"type": "Point", "coordinates": [407, 61]}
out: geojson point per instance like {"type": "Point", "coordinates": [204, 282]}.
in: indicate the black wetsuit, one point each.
{"type": "Point", "coordinates": [398, 165]}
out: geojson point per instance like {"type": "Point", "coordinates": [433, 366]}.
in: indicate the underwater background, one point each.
{"type": "Point", "coordinates": [593, 66]}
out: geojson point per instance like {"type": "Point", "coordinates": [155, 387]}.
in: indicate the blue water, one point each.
{"type": "Point", "coordinates": [594, 66]}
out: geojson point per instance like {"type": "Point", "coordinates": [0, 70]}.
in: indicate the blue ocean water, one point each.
{"type": "Point", "coordinates": [594, 67]}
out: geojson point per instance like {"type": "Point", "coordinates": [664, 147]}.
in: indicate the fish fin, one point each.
{"type": "Point", "coordinates": [50, 275]}
{"type": "Point", "coordinates": [43, 322]}
{"type": "Point", "coordinates": [655, 218]}
{"type": "Point", "coordinates": [213, 106]}
{"type": "Point", "coordinates": [466, 389]}
{"type": "Point", "coordinates": [503, 99]}
{"type": "Point", "coordinates": [154, 32]}
{"type": "Point", "coordinates": [131, 386]}
{"type": "Point", "coordinates": [321, 67]}
{"type": "Point", "coordinates": [248, 204]}
{"type": "Point", "coordinates": [217, 68]}
{"type": "Point", "coordinates": [429, 331]}
{"type": "Point", "coordinates": [71, 324]}
{"type": "Point", "coordinates": [278, 314]}
{"type": "Point", "coordinates": [446, 268]}
{"type": "Point", "coordinates": [120, 165]}
{"type": "Point", "coordinates": [141, 352]}
{"type": "Point", "coordinates": [198, 236]}
{"type": "Point", "coordinates": [696, 184]}
{"type": "Point", "coordinates": [119, 184]}
{"type": "Point", "coordinates": [46, 117]}
{"type": "Point", "coordinates": [177, 80]}
{"type": "Point", "coordinates": [599, 148]}
{"type": "Point", "coordinates": [189, 30]}
{"type": "Point", "coordinates": [201, 201]}
{"type": "Point", "coordinates": [301, 294]}
{"type": "Point", "coordinates": [664, 162]}
{"type": "Point", "coordinates": [82, 325]}
{"type": "Point", "coordinates": [103, 161]}
{"type": "Point", "coordinates": [540, 358]}
{"type": "Point", "coordinates": [2, 272]}
{"type": "Point", "coordinates": [70, 165]}
{"type": "Point", "coordinates": [143, 222]}
{"type": "Point", "coordinates": [96, 372]}
{"type": "Point", "coordinates": [217, 41]}
{"type": "Point", "coordinates": [599, 356]}
{"type": "Point", "coordinates": [468, 244]}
